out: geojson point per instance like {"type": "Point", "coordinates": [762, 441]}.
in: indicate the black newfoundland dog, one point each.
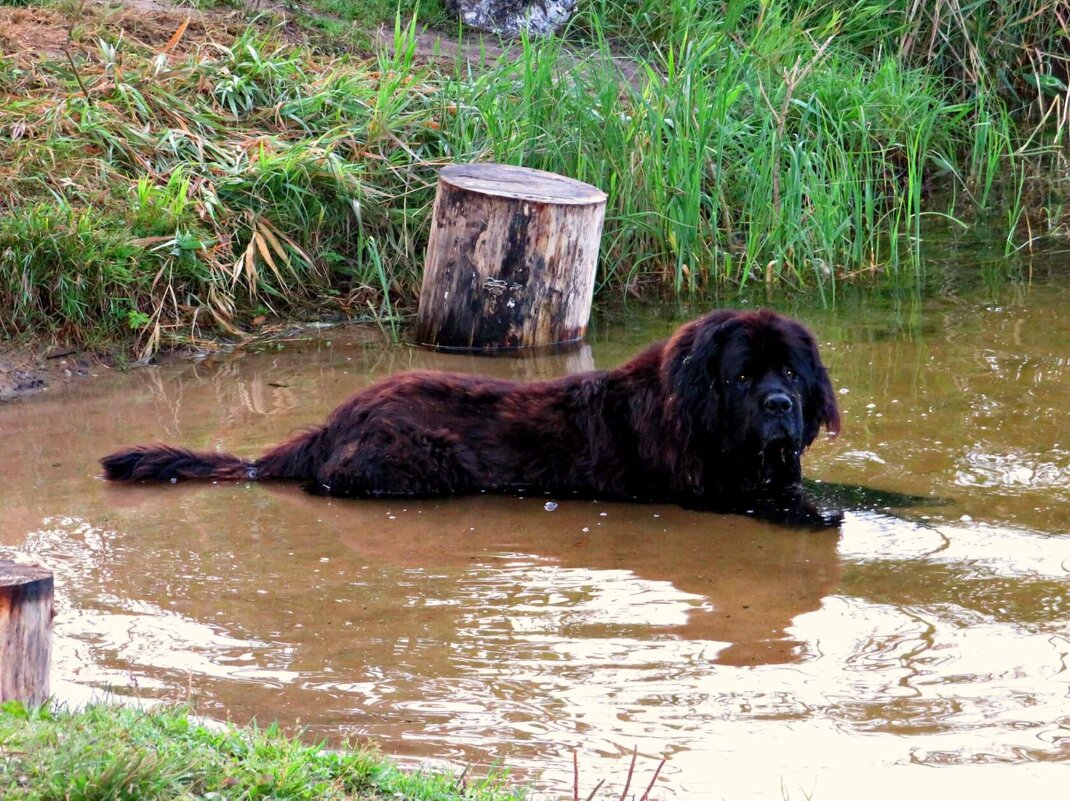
{"type": "Point", "coordinates": [715, 418]}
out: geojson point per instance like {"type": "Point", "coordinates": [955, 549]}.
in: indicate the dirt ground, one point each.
{"type": "Point", "coordinates": [31, 33]}
{"type": "Point", "coordinates": [29, 370]}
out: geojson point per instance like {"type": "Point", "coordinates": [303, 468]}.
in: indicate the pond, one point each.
{"type": "Point", "coordinates": [923, 648]}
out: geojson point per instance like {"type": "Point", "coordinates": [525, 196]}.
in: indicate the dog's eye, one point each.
{"type": "Point", "coordinates": [743, 379]}
{"type": "Point", "coordinates": [791, 374]}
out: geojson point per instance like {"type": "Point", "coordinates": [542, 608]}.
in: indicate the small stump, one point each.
{"type": "Point", "coordinates": [25, 632]}
{"type": "Point", "coordinates": [511, 259]}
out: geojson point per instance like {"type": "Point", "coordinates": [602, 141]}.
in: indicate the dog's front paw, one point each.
{"type": "Point", "coordinates": [826, 518]}
{"type": "Point", "coordinates": [794, 508]}
{"type": "Point", "coordinates": [804, 512]}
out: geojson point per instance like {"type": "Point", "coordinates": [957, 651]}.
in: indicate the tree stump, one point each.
{"type": "Point", "coordinates": [25, 632]}
{"type": "Point", "coordinates": [511, 259]}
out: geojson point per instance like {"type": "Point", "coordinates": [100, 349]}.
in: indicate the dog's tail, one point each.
{"type": "Point", "coordinates": [168, 463]}
{"type": "Point", "coordinates": [297, 457]}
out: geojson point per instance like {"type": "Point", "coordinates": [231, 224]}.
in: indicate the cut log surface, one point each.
{"type": "Point", "coordinates": [26, 597]}
{"type": "Point", "coordinates": [511, 259]}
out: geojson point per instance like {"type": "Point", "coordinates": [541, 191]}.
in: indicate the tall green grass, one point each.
{"type": "Point", "coordinates": [1018, 48]}
{"type": "Point", "coordinates": [776, 157]}
{"type": "Point", "coordinates": [770, 141]}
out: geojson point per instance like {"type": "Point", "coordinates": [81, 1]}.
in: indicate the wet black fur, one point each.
{"type": "Point", "coordinates": [716, 417]}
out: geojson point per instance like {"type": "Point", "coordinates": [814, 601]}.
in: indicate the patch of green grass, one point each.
{"type": "Point", "coordinates": [109, 753]}
{"type": "Point", "coordinates": [63, 271]}
{"type": "Point", "coordinates": [375, 13]}
{"type": "Point", "coordinates": [219, 4]}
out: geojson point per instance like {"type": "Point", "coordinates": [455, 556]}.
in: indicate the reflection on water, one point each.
{"type": "Point", "coordinates": [931, 632]}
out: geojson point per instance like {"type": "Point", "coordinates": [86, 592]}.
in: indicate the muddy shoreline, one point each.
{"type": "Point", "coordinates": [34, 368]}
{"type": "Point", "coordinates": [30, 370]}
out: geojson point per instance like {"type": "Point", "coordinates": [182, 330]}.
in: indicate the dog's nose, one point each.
{"type": "Point", "coordinates": [778, 403]}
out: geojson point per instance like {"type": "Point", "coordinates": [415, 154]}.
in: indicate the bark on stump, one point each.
{"type": "Point", "coordinates": [511, 259]}
{"type": "Point", "coordinates": [25, 632]}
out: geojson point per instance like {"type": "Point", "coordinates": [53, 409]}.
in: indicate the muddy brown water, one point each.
{"type": "Point", "coordinates": [922, 649]}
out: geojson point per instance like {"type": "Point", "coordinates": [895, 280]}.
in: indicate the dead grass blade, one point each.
{"type": "Point", "coordinates": [176, 37]}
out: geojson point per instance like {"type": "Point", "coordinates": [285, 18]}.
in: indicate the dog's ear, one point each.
{"type": "Point", "coordinates": [822, 406]}
{"type": "Point", "coordinates": [689, 369]}
{"type": "Point", "coordinates": [825, 402]}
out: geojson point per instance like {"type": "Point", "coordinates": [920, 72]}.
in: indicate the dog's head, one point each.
{"type": "Point", "coordinates": [749, 392]}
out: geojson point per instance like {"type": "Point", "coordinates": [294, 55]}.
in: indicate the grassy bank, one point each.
{"type": "Point", "coordinates": [162, 181]}
{"type": "Point", "coordinates": [107, 752]}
